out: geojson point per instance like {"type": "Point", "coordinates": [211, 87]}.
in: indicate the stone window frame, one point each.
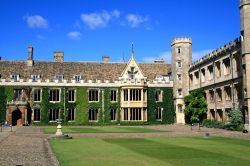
{"type": "Point", "coordinates": [92, 98]}
{"type": "Point", "coordinates": [69, 116]}
{"type": "Point", "coordinates": [113, 114]}
{"type": "Point", "coordinates": [158, 113]}
{"type": "Point", "coordinates": [203, 75]}
{"type": "Point", "coordinates": [227, 66]}
{"type": "Point", "coordinates": [228, 97]}
{"type": "Point", "coordinates": [36, 108]}
{"type": "Point", "coordinates": [74, 90]}
{"type": "Point", "coordinates": [93, 114]}
{"type": "Point", "coordinates": [53, 101]}
{"type": "Point", "coordinates": [218, 69]}
{"type": "Point", "coordinates": [114, 95]}
{"type": "Point", "coordinates": [33, 95]}
{"type": "Point", "coordinates": [179, 64]}
{"type": "Point", "coordinates": [179, 92]}
{"type": "Point", "coordinates": [158, 95]}
{"type": "Point", "coordinates": [125, 95]}
{"type": "Point", "coordinates": [135, 95]}
{"type": "Point", "coordinates": [197, 77]}
{"type": "Point", "coordinates": [55, 115]}
{"type": "Point", "coordinates": [180, 108]}
{"type": "Point", "coordinates": [179, 78]}
{"type": "Point", "coordinates": [211, 96]}
{"type": "Point", "coordinates": [125, 114]}
{"type": "Point", "coordinates": [178, 50]}
{"type": "Point", "coordinates": [135, 114]}
{"type": "Point", "coordinates": [210, 69]}
{"type": "Point", "coordinates": [219, 95]}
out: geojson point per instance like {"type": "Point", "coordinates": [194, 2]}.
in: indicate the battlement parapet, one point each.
{"type": "Point", "coordinates": [244, 2]}
{"type": "Point", "coordinates": [181, 40]}
{"type": "Point", "coordinates": [229, 46]}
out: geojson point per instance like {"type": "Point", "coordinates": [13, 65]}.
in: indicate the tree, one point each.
{"type": "Point", "coordinates": [195, 106]}
{"type": "Point", "coordinates": [235, 120]}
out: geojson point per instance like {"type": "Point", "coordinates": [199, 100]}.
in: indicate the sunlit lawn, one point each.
{"type": "Point", "coordinates": [153, 151]}
{"type": "Point", "coordinates": [101, 130]}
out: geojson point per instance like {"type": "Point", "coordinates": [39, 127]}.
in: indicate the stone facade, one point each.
{"type": "Point", "coordinates": [224, 74]}
{"type": "Point", "coordinates": [126, 83]}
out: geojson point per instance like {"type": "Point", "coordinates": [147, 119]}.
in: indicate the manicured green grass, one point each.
{"type": "Point", "coordinates": [153, 151]}
{"type": "Point", "coordinates": [101, 130]}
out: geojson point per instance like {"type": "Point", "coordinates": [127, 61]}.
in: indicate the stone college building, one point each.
{"type": "Point", "coordinates": [39, 92]}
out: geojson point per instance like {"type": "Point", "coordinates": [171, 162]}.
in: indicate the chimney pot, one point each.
{"type": "Point", "coordinates": [105, 59]}
{"type": "Point", "coordinates": [58, 56]}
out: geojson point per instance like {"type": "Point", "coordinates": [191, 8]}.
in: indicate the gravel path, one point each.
{"type": "Point", "coordinates": [26, 146]}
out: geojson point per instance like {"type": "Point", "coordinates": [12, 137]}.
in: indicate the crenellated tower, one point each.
{"type": "Point", "coordinates": [245, 50]}
{"type": "Point", "coordinates": [181, 61]}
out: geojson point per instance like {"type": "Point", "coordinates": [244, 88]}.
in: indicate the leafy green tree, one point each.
{"type": "Point", "coordinates": [235, 120]}
{"type": "Point", "coordinates": [195, 106]}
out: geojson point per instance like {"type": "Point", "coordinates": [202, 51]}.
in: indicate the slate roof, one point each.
{"type": "Point", "coordinates": [88, 70]}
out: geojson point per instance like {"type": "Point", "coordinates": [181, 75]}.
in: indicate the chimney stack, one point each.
{"type": "Point", "coordinates": [58, 56]}
{"type": "Point", "coordinates": [30, 53]}
{"type": "Point", "coordinates": [105, 59]}
{"type": "Point", "coordinates": [159, 61]}
{"type": "Point", "coordinates": [30, 56]}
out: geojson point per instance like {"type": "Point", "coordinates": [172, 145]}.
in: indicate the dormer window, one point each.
{"type": "Point", "coordinates": [59, 77]}
{"type": "Point", "coordinates": [15, 77]}
{"type": "Point", "coordinates": [159, 78]}
{"type": "Point", "coordinates": [132, 72]}
{"type": "Point", "coordinates": [77, 78]}
{"type": "Point", "coordinates": [35, 77]}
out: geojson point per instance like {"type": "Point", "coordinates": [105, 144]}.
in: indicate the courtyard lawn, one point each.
{"type": "Point", "coordinates": [212, 151]}
{"type": "Point", "coordinates": [100, 130]}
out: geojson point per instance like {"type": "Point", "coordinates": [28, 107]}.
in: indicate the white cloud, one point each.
{"type": "Point", "coordinates": [135, 20]}
{"type": "Point", "coordinates": [36, 21]}
{"type": "Point", "coordinates": [97, 20]}
{"type": "Point", "coordinates": [41, 37]}
{"type": "Point", "coordinates": [74, 35]}
{"type": "Point", "coordinates": [167, 56]}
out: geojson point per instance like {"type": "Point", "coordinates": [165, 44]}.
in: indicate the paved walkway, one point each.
{"type": "Point", "coordinates": [29, 146]}
{"type": "Point", "coordinates": [170, 131]}
{"type": "Point", "coordinates": [26, 146]}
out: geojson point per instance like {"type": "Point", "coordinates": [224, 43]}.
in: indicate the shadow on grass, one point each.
{"type": "Point", "coordinates": [176, 154]}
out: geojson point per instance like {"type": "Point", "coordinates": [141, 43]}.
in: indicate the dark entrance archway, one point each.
{"type": "Point", "coordinates": [16, 118]}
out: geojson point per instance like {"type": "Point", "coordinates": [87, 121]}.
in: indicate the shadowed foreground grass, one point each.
{"type": "Point", "coordinates": [101, 130]}
{"type": "Point", "coordinates": [211, 151]}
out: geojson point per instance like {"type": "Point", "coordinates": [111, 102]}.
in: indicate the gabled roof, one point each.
{"type": "Point", "coordinates": [88, 70]}
{"type": "Point", "coordinates": [132, 63]}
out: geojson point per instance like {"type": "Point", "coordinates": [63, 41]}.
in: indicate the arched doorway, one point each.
{"type": "Point", "coordinates": [16, 118]}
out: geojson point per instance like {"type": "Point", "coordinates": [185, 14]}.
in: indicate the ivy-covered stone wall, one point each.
{"type": "Point", "coordinates": [6, 94]}
{"type": "Point", "coordinates": [168, 114]}
{"type": "Point", "coordinates": [82, 105]}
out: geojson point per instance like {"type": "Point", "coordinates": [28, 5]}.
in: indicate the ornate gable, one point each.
{"type": "Point", "coordinates": [132, 72]}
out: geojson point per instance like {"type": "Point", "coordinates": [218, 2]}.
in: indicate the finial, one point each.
{"type": "Point", "coordinates": [132, 50]}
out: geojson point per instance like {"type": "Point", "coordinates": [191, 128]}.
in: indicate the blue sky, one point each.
{"type": "Point", "coordinates": [88, 29]}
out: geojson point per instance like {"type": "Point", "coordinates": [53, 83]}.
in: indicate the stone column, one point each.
{"type": "Point", "coordinates": [142, 114]}
{"type": "Point", "coordinates": [128, 114]}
